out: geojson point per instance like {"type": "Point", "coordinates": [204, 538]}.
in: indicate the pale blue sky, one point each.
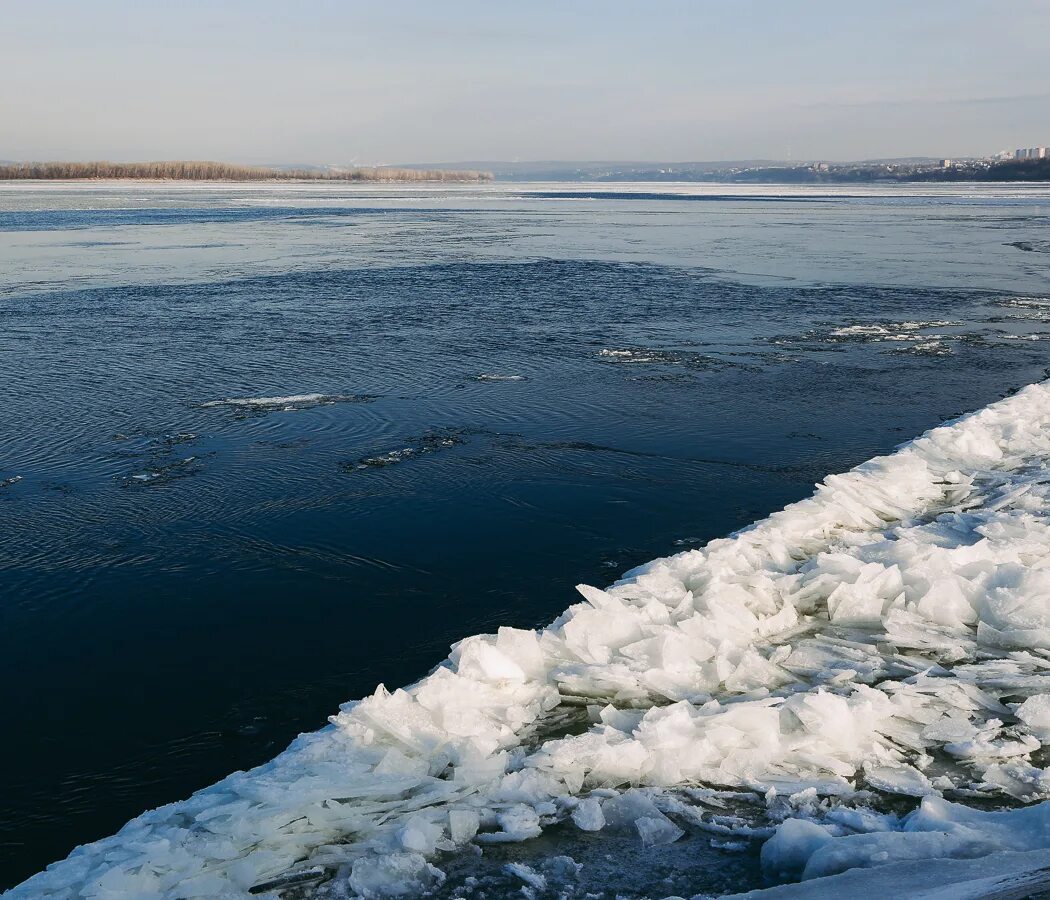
{"type": "Point", "coordinates": [395, 81]}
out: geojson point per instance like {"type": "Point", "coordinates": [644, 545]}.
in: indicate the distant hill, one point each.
{"type": "Point", "coordinates": [180, 170]}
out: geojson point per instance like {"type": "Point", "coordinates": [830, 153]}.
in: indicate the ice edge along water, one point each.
{"type": "Point", "coordinates": [889, 635]}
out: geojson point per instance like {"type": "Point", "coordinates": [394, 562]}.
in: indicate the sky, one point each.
{"type": "Point", "coordinates": [341, 81]}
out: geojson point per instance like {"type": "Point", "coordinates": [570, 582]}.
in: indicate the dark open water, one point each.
{"type": "Point", "coordinates": [518, 393]}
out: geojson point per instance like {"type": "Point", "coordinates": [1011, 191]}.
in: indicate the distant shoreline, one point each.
{"type": "Point", "coordinates": [213, 171]}
{"type": "Point", "coordinates": [889, 171]}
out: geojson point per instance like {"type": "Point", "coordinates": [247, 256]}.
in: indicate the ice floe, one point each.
{"type": "Point", "coordinates": [430, 442]}
{"type": "Point", "coordinates": [1031, 308]}
{"type": "Point", "coordinates": [647, 356]}
{"type": "Point", "coordinates": [287, 403]}
{"type": "Point", "coordinates": [918, 338]}
{"type": "Point", "coordinates": [938, 830]}
{"type": "Point", "coordinates": [996, 875]}
{"type": "Point", "coordinates": [166, 472]}
{"type": "Point", "coordinates": [834, 679]}
{"type": "Point", "coordinates": [637, 356]}
{"type": "Point", "coordinates": [891, 331]}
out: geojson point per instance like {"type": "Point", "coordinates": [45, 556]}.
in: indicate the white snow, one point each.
{"type": "Point", "coordinates": [888, 635]}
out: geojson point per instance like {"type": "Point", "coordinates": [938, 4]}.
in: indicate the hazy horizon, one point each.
{"type": "Point", "coordinates": [531, 161]}
{"type": "Point", "coordinates": [341, 83]}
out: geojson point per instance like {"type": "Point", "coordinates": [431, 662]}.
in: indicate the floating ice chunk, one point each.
{"type": "Point", "coordinates": [863, 819]}
{"type": "Point", "coordinates": [867, 850]}
{"type": "Point", "coordinates": [633, 809]}
{"type": "Point", "coordinates": [562, 867]}
{"type": "Point", "coordinates": [1014, 611]}
{"type": "Point", "coordinates": [165, 473]}
{"type": "Point", "coordinates": [420, 836]}
{"type": "Point", "coordinates": [1018, 779]}
{"type": "Point", "coordinates": [621, 810]}
{"type": "Point", "coordinates": [1035, 713]}
{"type": "Point", "coordinates": [1027, 828]}
{"type": "Point", "coordinates": [785, 855]}
{"type": "Point", "coordinates": [996, 875]}
{"type": "Point", "coordinates": [636, 356]}
{"type": "Point", "coordinates": [463, 825]}
{"type": "Point", "coordinates": [936, 830]}
{"type": "Point", "coordinates": [288, 403]}
{"type": "Point", "coordinates": [394, 762]}
{"type": "Point", "coordinates": [425, 444]}
{"type": "Point", "coordinates": [901, 779]}
{"type": "Point", "coordinates": [527, 874]}
{"type": "Point", "coordinates": [588, 815]}
{"type": "Point", "coordinates": [866, 600]}
{"type": "Point", "coordinates": [479, 657]}
{"type": "Point", "coordinates": [518, 823]}
{"type": "Point", "coordinates": [523, 648]}
{"type": "Point", "coordinates": [925, 348]}
{"type": "Point", "coordinates": [394, 875]}
{"type": "Point", "coordinates": [894, 331]}
{"type": "Point", "coordinates": [988, 741]}
{"type": "Point", "coordinates": [657, 830]}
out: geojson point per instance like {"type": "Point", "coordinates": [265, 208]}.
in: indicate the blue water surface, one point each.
{"type": "Point", "coordinates": [500, 394]}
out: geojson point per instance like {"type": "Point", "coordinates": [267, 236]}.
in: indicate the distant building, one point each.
{"type": "Point", "coordinates": [1020, 154]}
{"type": "Point", "coordinates": [1031, 153]}
{"type": "Point", "coordinates": [946, 164]}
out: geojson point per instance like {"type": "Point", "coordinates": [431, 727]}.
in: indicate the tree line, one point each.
{"type": "Point", "coordinates": [180, 170]}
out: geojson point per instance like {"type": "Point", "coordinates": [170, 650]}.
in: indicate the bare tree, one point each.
{"type": "Point", "coordinates": [179, 170]}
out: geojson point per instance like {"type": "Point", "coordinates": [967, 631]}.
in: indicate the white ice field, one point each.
{"type": "Point", "coordinates": [880, 647]}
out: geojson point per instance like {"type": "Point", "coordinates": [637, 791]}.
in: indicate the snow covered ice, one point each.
{"type": "Point", "coordinates": [861, 680]}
